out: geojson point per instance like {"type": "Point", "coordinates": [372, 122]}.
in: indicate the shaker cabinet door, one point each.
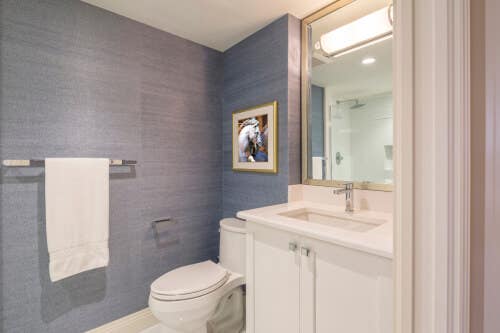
{"type": "Point", "coordinates": [276, 282]}
{"type": "Point", "coordinates": [353, 291]}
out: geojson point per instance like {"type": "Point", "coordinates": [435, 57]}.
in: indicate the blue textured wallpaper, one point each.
{"type": "Point", "coordinates": [262, 68]}
{"type": "Point", "coordinates": [79, 81]}
{"type": "Point", "coordinates": [317, 123]}
{"type": "Point", "coordinates": [294, 115]}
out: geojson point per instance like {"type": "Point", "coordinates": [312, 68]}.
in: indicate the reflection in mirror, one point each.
{"type": "Point", "coordinates": [349, 111]}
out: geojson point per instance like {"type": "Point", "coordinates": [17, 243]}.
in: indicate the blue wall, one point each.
{"type": "Point", "coordinates": [317, 122]}
{"type": "Point", "coordinates": [262, 68]}
{"type": "Point", "coordinates": [79, 81]}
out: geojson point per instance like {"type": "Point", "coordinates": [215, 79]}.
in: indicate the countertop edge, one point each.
{"type": "Point", "coordinates": [250, 215]}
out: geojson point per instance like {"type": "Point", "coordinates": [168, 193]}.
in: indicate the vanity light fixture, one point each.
{"type": "Point", "coordinates": [368, 61]}
{"type": "Point", "coordinates": [367, 30]}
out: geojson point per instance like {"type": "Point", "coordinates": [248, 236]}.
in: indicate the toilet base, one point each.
{"type": "Point", "coordinates": [159, 329]}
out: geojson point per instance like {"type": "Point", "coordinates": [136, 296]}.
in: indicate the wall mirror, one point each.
{"type": "Point", "coordinates": [347, 109]}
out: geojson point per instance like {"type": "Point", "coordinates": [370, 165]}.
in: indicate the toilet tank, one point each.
{"type": "Point", "coordinates": [232, 247]}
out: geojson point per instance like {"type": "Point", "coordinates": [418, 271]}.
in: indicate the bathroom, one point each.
{"type": "Point", "coordinates": [249, 166]}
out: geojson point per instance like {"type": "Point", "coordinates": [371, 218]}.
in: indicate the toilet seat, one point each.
{"type": "Point", "coordinates": [189, 281]}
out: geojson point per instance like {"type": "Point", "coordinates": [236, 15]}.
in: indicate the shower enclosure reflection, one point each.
{"type": "Point", "coordinates": [349, 109]}
{"type": "Point", "coordinates": [360, 137]}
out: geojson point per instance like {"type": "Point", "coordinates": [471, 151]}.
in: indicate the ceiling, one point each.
{"type": "Point", "coordinates": [345, 75]}
{"type": "Point", "coordinates": [218, 24]}
{"type": "Point", "coordinates": [349, 78]}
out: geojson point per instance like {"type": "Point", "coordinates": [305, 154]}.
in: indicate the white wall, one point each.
{"type": "Point", "coordinates": [361, 136]}
{"type": "Point", "coordinates": [371, 130]}
{"type": "Point", "coordinates": [338, 134]}
{"type": "Point", "coordinates": [377, 201]}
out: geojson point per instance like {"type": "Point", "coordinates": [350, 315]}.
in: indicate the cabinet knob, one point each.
{"type": "Point", "coordinates": [305, 251]}
{"type": "Point", "coordinates": [292, 246]}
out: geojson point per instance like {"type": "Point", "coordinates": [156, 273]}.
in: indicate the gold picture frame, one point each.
{"type": "Point", "coordinates": [255, 139]}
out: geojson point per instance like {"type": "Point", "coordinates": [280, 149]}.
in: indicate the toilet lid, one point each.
{"type": "Point", "coordinates": [189, 281]}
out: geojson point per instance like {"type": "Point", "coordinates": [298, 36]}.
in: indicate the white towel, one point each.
{"type": "Point", "coordinates": [317, 167]}
{"type": "Point", "coordinates": [77, 214]}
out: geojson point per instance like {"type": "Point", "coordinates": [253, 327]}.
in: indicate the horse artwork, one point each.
{"type": "Point", "coordinates": [247, 139]}
{"type": "Point", "coordinates": [254, 139]}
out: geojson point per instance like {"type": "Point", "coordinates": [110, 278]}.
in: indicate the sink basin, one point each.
{"type": "Point", "coordinates": [347, 221]}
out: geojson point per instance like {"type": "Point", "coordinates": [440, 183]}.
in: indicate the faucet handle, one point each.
{"type": "Point", "coordinates": [338, 191]}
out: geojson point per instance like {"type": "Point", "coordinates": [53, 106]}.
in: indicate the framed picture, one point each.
{"type": "Point", "coordinates": [255, 139]}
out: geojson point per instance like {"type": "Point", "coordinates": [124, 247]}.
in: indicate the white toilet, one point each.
{"type": "Point", "coordinates": [184, 299]}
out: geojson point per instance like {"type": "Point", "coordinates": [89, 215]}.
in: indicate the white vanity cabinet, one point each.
{"type": "Point", "coordinates": [273, 282]}
{"type": "Point", "coordinates": [353, 290]}
{"type": "Point", "coordinates": [297, 284]}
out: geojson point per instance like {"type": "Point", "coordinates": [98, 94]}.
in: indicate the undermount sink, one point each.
{"type": "Point", "coordinates": [347, 221]}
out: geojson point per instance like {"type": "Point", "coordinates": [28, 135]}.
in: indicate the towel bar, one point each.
{"type": "Point", "coordinates": [41, 163]}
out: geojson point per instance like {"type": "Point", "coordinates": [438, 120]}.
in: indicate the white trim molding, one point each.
{"type": "Point", "coordinates": [441, 166]}
{"type": "Point", "coordinates": [460, 179]}
{"type": "Point", "coordinates": [133, 323]}
{"type": "Point", "coordinates": [403, 164]}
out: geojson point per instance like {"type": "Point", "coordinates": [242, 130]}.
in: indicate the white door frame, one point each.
{"type": "Point", "coordinates": [432, 164]}
{"type": "Point", "coordinates": [403, 165]}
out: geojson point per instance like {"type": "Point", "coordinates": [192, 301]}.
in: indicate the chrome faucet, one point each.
{"type": "Point", "coordinates": [349, 194]}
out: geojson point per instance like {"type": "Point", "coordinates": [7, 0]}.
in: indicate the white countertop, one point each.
{"type": "Point", "coordinates": [378, 241]}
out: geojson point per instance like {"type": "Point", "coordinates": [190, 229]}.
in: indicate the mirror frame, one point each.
{"type": "Point", "coordinates": [305, 98]}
